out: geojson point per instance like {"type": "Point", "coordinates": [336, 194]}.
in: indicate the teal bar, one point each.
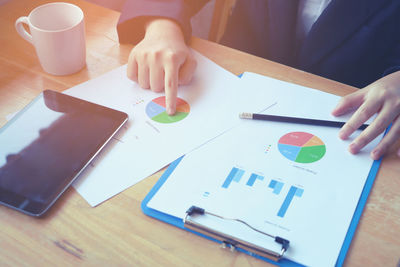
{"type": "Point", "coordinates": [278, 188]}
{"type": "Point", "coordinates": [238, 175]}
{"type": "Point", "coordinates": [299, 192]}
{"type": "Point", "coordinates": [230, 177]}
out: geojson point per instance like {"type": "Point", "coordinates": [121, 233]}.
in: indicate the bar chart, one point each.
{"type": "Point", "coordinates": [275, 187]}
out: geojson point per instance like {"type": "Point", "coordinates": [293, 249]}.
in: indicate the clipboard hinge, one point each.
{"type": "Point", "coordinates": [231, 242]}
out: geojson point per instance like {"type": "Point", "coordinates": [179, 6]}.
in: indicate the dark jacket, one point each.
{"type": "Point", "coordinates": [353, 41]}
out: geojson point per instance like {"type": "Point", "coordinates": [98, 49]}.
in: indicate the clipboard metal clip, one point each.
{"type": "Point", "coordinates": [230, 241]}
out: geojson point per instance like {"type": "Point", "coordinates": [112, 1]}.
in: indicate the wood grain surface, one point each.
{"type": "Point", "coordinates": [117, 233]}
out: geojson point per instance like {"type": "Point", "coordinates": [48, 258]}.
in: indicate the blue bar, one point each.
{"type": "Point", "coordinates": [299, 192]}
{"type": "Point", "coordinates": [252, 179]}
{"type": "Point", "coordinates": [238, 175]}
{"type": "Point", "coordinates": [287, 201]}
{"type": "Point", "coordinates": [272, 184]}
{"type": "Point", "coordinates": [230, 177]}
{"type": "Point", "coordinates": [278, 188]}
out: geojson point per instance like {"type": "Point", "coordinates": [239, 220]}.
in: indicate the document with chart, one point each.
{"type": "Point", "coordinates": [151, 139]}
{"type": "Point", "coordinates": [295, 181]}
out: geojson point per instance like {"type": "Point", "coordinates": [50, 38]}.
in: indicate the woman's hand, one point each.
{"type": "Point", "coordinates": [162, 60]}
{"type": "Point", "coordinates": [381, 97]}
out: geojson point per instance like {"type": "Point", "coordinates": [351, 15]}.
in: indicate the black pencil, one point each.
{"type": "Point", "coordinates": [255, 116]}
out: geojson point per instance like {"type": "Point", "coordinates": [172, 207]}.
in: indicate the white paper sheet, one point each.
{"type": "Point", "coordinates": [144, 146]}
{"type": "Point", "coordinates": [298, 101]}
{"type": "Point", "coordinates": [311, 204]}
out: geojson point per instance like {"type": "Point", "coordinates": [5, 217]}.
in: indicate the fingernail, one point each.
{"type": "Point", "coordinates": [353, 148]}
{"type": "Point", "coordinates": [342, 134]}
{"type": "Point", "coordinates": [170, 111]}
{"type": "Point", "coordinates": [376, 154]}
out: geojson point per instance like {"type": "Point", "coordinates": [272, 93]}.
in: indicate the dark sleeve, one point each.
{"type": "Point", "coordinates": [135, 13]}
{"type": "Point", "coordinates": [392, 58]}
{"type": "Point", "coordinates": [393, 61]}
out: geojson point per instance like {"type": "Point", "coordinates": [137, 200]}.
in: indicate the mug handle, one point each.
{"type": "Point", "coordinates": [21, 30]}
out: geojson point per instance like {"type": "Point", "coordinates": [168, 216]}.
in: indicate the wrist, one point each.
{"type": "Point", "coordinates": [163, 28]}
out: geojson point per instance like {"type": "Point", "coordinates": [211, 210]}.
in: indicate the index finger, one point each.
{"type": "Point", "coordinates": [171, 87]}
{"type": "Point", "coordinates": [363, 113]}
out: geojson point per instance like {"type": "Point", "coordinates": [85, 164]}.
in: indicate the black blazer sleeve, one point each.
{"type": "Point", "coordinates": [393, 59]}
{"type": "Point", "coordinates": [134, 13]}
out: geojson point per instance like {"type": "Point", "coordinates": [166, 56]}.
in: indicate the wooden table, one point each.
{"type": "Point", "coordinates": [117, 232]}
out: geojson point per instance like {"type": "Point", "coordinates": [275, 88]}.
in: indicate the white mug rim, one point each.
{"type": "Point", "coordinates": [56, 3]}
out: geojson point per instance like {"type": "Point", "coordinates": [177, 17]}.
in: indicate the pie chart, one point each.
{"type": "Point", "coordinates": [156, 110]}
{"type": "Point", "coordinates": [301, 147]}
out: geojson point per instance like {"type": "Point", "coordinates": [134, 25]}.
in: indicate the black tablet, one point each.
{"type": "Point", "coordinates": [47, 144]}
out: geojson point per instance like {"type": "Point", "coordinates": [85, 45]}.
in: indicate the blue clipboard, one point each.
{"type": "Point", "coordinates": [283, 262]}
{"type": "Point", "coordinates": [178, 222]}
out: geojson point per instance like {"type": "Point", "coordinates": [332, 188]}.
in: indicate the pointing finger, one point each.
{"type": "Point", "coordinates": [171, 87]}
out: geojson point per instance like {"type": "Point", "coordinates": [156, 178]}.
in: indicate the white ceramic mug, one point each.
{"type": "Point", "coordinates": [57, 32]}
